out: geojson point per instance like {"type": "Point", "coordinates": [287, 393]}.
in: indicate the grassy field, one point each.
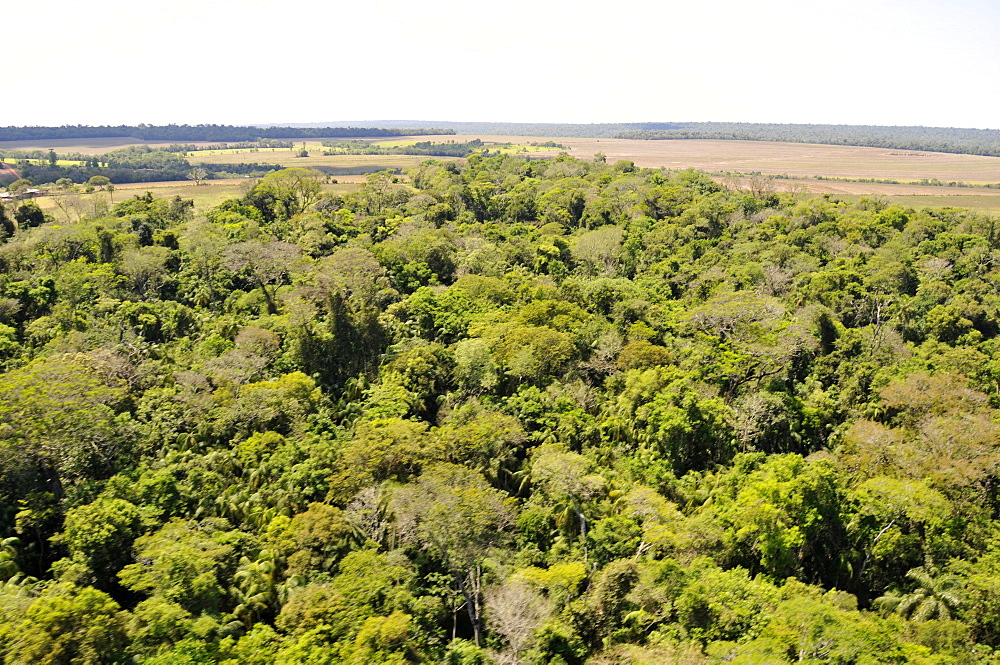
{"type": "Point", "coordinates": [989, 205]}
{"type": "Point", "coordinates": [59, 162]}
{"type": "Point", "coordinates": [917, 196]}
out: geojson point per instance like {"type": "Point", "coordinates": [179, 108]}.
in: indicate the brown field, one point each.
{"type": "Point", "coordinates": [794, 159]}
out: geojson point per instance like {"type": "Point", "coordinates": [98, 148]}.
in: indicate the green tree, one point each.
{"type": "Point", "coordinates": [99, 181]}
{"type": "Point", "coordinates": [452, 512]}
{"type": "Point", "coordinates": [263, 264]}
{"type": "Point", "coordinates": [28, 214]}
{"type": "Point", "coordinates": [367, 584]}
{"type": "Point", "coordinates": [293, 189]}
{"type": "Point", "coordinates": [811, 627]}
{"type": "Point", "coordinates": [755, 340]}
{"type": "Point", "coordinates": [68, 624]}
{"type": "Point", "coordinates": [783, 517]}
{"type": "Point", "coordinates": [57, 420]}
{"type": "Point", "coordinates": [934, 596]}
{"type": "Point", "coordinates": [567, 478]}
{"type": "Point", "coordinates": [383, 449]}
{"type": "Point", "coordinates": [187, 563]}
{"type": "Point", "coordinates": [99, 538]}
{"type": "Point", "coordinates": [18, 187]}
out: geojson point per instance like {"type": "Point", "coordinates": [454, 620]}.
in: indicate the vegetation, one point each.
{"type": "Point", "coordinates": [518, 411]}
{"type": "Point", "coordinates": [204, 132]}
{"type": "Point", "coordinates": [136, 163]}
{"type": "Point", "coordinates": [239, 145]}
{"type": "Point", "coordinates": [935, 139]}
{"type": "Point", "coordinates": [428, 148]}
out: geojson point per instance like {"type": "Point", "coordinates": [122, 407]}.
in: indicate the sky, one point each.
{"type": "Point", "coordinates": [863, 62]}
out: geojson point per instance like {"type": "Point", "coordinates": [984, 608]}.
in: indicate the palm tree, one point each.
{"type": "Point", "coordinates": [935, 596]}
{"type": "Point", "coordinates": [8, 558]}
{"type": "Point", "coordinates": [257, 589]}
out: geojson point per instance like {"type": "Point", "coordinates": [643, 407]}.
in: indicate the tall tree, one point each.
{"type": "Point", "coordinates": [454, 513]}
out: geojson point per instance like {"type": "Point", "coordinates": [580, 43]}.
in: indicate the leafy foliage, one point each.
{"type": "Point", "coordinates": [515, 410]}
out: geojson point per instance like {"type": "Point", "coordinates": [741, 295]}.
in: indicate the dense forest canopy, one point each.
{"type": "Point", "coordinates": [545, 411]}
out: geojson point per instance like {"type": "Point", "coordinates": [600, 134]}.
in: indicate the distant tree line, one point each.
{"type": "Point", "coordinates": [238, 145]}
{"type": "Point", "coordinates": [592, 130]}
{"type": "Point", "coordinates": [428, 148]}
{"type": "Point", "coordinates": [936, 139]}
{"type": "Point", "coordinates": [203, 132]}
{"type": "Point", "coordinates": [42, 173]}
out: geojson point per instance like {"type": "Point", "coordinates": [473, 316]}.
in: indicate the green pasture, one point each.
{"type": "Point", "coordinates": [59, 162]}
{"type": "Point", "coordinates": [984, 203]}
{"type": "Point", "coordinates": [518, 149]}
{"type": "Point", "coordinates": [396, 144]}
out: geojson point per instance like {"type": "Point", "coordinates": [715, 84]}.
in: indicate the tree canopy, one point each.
{"type": "Point", "coordinates": [501, 410]}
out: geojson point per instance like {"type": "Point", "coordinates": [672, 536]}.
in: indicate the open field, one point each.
{"type": "Point", "coordinates": [794, 159]}
{"type": "Point", "coordinates": [916, 196]}
{"type": "Point", "coordinates": [83, 146]}
{"type": "Point", "coordinates": [984, 204]}
{"type": "Point", "coordinates": [59, 162]}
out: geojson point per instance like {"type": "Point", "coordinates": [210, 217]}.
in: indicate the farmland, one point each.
{"type": "Point", "coordinates": [798, 167]}
{"type": "Point", "coordinates": [336, 163]}
{"type": "Point", "coordinates": [793, 159]}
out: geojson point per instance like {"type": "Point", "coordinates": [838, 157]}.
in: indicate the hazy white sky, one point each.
{"type": "Point", "coordinates": [887, 62]}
